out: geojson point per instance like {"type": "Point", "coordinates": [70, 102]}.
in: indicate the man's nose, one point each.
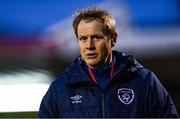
{"type": "Point", "coordinates": [90, 44]}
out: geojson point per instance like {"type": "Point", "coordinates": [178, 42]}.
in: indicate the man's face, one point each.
{"type": "Point", "coordinates": [95, 47]}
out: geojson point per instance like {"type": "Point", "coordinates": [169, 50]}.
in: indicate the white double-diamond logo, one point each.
{"type": "Point", "coordinates": [76, 99]}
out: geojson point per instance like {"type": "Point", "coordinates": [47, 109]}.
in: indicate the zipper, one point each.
{"type": "Point", "coordinates": [102, 105]}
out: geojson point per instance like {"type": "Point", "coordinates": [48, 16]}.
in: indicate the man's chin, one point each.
{"type": "Point", "coordinates": [92, 65]}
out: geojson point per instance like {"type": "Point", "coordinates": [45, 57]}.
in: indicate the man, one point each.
{"type": "Point", "coordinates": [102, 83]}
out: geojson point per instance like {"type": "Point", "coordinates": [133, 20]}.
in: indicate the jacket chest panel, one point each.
{"type": "Point", "coordinates": [82, 102]}
{"type": "Point", "coordinates": [119, 99]}
{"type": "Point", "coordinates": [124, 100]}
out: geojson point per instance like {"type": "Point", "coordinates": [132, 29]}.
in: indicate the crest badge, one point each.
{"type": "Point", "coordinates": [126, 95]}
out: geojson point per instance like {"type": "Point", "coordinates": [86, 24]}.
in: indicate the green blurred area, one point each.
{"type": "Point", "coordinates": [18, 115]}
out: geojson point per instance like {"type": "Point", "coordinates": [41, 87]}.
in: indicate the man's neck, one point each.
{"type": "Point", "coordinates": [101, 65]}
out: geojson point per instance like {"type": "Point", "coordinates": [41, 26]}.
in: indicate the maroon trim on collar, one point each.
{"type": "Point", "coordinates": [93, 77]}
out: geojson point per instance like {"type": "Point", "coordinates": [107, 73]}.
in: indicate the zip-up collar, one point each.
{"type": "Point", "coordinates": [97, 74]}
{"type": "Point", "coordinates": [125, 65]}
{"type": "Point", "coordinates": [75, 73]}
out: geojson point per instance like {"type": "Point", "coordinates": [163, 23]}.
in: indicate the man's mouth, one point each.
{"type": "Point", "coordinates": [91, 55]}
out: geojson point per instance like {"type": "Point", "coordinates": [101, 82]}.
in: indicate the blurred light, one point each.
{"type": "Point", "coordinates": [22, 92]}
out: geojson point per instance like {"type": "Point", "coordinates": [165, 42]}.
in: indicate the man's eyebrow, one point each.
{"type": "Point", "coordinates": [96, 34]}
{"type": "Point", "coordinates": [82, 36]}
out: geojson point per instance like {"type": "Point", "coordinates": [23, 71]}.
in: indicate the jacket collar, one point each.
{"type": "Point", "coordinates": [124, 67]}
{"type": "Point", "coordinates": [125, 63]}
{"type": "Point", "coordinates": [76, 74]}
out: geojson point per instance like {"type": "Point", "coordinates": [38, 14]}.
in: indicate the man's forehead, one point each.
{"type": "Point", "coordinates": [93, 26]}
{"type": "Point", "coordinates": [89, 23]}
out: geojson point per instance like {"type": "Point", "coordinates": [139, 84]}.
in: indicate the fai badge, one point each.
{"type": "Point", "coordinates": [125, 95]}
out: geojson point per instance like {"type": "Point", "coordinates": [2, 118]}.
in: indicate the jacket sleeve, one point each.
{"type": "Point", "coordinates": [48, 104]}
{"type": "Point", "coordinates": [160, 104]}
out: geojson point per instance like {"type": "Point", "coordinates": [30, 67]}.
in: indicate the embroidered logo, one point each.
{"type": "Point", "coordinates": [125, 95]}
{"type": "Point", "coordinates": [76, 99]}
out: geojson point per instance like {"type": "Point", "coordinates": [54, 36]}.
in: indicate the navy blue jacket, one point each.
{"type": "Point", "coordinates": [133, 91]}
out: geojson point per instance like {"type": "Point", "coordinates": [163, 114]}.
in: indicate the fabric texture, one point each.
{"type": "Point", "coordinates": [132, 92]}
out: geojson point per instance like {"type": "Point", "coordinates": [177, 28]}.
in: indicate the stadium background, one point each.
{"type": "Point", "coordinates": [37, 43]}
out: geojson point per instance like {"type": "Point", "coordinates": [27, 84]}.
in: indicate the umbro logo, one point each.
{"type": "Point", "coordinates": [76, 99]}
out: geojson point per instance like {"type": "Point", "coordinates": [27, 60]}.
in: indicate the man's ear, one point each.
{"type": "Point", "coordinates": [113, 39]}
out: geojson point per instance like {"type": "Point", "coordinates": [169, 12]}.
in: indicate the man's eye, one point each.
{"type": "Point", "coordinates": [97, 37]}
{"type": "Point", "coordinates": [82, 38]}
